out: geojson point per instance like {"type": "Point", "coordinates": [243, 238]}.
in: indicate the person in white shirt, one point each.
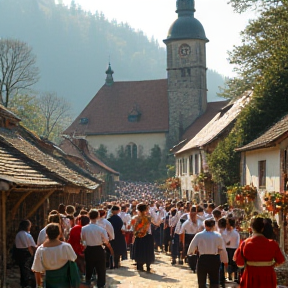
{"type": "Point", "coordinates": [94, 236]}
{"type": "Point", "coordinates": [104, 223]}
{"type": "Point", "coordinates": [209, 244]}
{"type": "Point", "coordinates": [173, 220]}
{"type": "Point", "coordinates": [156, 219]}
{"type": "Point", "coordinates": [166, 229]}
{"type": "Point", "coordinates": [178, 248]}
{"type": "Point", "coordinates": [222, 230]}
{"type": "Point", "coordinates": [209, 209]}
{"type": "Point", "coordinates": [232, 243]}
{"type": "Point", "coordinates": [126, 218]}
{"type": "Point", "coordinates": [52, 218]}
{"type": "Point", "coordinates": [201, 215]}
{"type": "Point", "coordinates": [187, 232]}
{"type": "Point", "coordinates": [189, 229]}
{"type": "Point", "coordinates": [25, 248]}
{"type": "Point", "coordinates": [216, 215]}
{"type": "Point", "coordinates": [52, 257]}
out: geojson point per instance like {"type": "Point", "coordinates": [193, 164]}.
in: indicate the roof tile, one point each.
{"type": "Point", "coordinates": [46, 163]}
{"type": "Point", "coordinates": [269, 137]}
{"type": "Point", "coordinates": [218, 124]}
{"type": "Point", "coordinates": [108, 111]}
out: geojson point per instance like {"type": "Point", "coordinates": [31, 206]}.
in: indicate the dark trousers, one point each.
{"type": "Point", "coordinates": [232, 266]}
{"type": "Point", "coordinates": [95, 258]}
{"type": "Point", "coordinates": [175, 247]}
{"type": "Point", "coordinates": [188, 239]}
{"type": "Point", "coordinates": [208, 264]}
{"type": "Point", "coordinates": [25, 261]}
{"type": "Point", "coordinates": [161, 235]}
{"type": "Point", "coordinates": [114, 261]}
{"type": "Point", "coordinates": [157, 236]}
{"type": "Point", "coordinates": [222, 275]}
{"type": "Point", "coordinates": [166, 238]}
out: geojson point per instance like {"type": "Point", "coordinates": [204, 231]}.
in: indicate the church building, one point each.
{"type": "Point", "coordinates": [137, 115]}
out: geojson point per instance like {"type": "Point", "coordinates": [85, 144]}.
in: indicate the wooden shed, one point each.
{"type": "Point", "coordinates": [35, 176]}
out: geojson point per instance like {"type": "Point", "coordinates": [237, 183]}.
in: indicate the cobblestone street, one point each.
{"type": "Point", "coordinates": [163, 275]}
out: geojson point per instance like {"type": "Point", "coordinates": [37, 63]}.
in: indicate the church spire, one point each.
{"type": "Point", "coordinates": [186, 26]}
{"type": "Point", "coordinates": [109, 78]}
{"type": "Point", "coordinates": [185, 8]}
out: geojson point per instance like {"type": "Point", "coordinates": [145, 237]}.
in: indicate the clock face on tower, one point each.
{"type": "Point", "coordinates": [184, 50]}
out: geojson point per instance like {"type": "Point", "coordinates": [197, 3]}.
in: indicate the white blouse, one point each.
{"type": "Point", "coordinates": [53, 258]}
{"type": "Point", "coordinates": [190, 227]}
{"type": "Point", "coordinates": [24, 240]}
{"type": "Point", "coordinates": [105, 224]}
{"type": "Point", "coordinates": [41, 237]}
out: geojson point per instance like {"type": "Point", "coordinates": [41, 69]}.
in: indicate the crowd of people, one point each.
{"type": "Point", "coordinates": [84, 244]}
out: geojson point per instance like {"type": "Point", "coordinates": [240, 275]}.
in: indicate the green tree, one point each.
{"type": "Point", "coordinates": [224, 161]}
{"type": "Point", "coordinates": [264, 48]}
{"type": "Point", "coordinates": [150, 168]}
{"type": "Point", "coordinates": [47, 115]}
{"type": "Point", "coordinates": [244, 5]}
{"type": "Point", "coordinates": [27, 109]}
{"type": "Point", "coordinates": [262, 66]}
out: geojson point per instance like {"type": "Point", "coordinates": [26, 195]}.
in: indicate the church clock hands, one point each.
{"type": "Point", "coordinates": [184, 50]}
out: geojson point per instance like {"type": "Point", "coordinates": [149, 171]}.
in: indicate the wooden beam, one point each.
{"type": "Point", "coordinates": [15, 208]}
{"type": "Point", "coordinates": [40, 203]}
{"type": "Point", "coordinates": [4, 235]}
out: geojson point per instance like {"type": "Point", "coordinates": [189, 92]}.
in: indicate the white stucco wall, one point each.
{"type": "Point", "coordinates": [144, 142]}
{"type": "Point", "coordinates": [186, 178]}
{"type": "Point", "coordinates": [272, 157]}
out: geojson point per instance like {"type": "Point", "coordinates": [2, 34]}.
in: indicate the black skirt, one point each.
{"type": "Point", "coordinates": [143, 250]}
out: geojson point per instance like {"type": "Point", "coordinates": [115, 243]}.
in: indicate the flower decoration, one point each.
{"type": "Point", "coordinates": [276, 202]}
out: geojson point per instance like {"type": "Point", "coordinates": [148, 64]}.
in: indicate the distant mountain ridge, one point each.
{"type": "Point", "coordinates": [73, 48]}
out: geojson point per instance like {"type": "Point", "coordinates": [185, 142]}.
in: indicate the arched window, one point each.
{"type": "Point", "coordinates": [132, 150]}
{"type": "Point", "coordinates": [128, 150]}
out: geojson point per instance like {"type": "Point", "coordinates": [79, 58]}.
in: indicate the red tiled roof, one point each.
{"type": "Point", "coordinates": [212, 109]}
{"type": "Point", "coordinates": [218, 124]}
{"type": "Point", "coordinates": [81, 149]}
{"type": "Point", "coordinates": [269, 137]}
{"type": "Point", "coordinates": [108, 111]}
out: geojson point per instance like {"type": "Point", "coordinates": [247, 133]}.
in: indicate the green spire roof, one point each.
{"type": "Point", "coordinates": [109, 78]}
{"type": "Point", "coordinates": [186, 26]}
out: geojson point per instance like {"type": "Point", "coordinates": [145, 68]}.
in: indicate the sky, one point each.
{"type": "Point", "coordinates": [154, 17]}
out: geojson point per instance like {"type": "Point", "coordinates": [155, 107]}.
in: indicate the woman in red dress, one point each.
{"type": "Point", "coordinates": [75, 241]}
{"type": "Point", "coordinates": [259, 256]}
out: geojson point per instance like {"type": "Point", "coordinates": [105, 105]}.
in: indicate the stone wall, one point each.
{"type": "Point", "coordinates": [187, 85]}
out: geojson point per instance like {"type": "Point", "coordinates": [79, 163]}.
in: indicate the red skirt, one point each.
{"type": "Point", "coordinates": [128, 237]}
{"type": "Point", "coordinates": [258, 277]}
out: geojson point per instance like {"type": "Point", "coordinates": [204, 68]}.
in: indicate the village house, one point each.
{"type": "Point", "coordinates": [264, 165]}
{"type": "Point", "coordinates": [35, 177]}
{"type": "Point", "coordinates": [82, 153]}
{"type": "Point", "coordinates": [191, 158]}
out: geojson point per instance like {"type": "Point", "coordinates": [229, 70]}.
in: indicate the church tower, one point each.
{"type": "Point", "coordinates": [186, 68]}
